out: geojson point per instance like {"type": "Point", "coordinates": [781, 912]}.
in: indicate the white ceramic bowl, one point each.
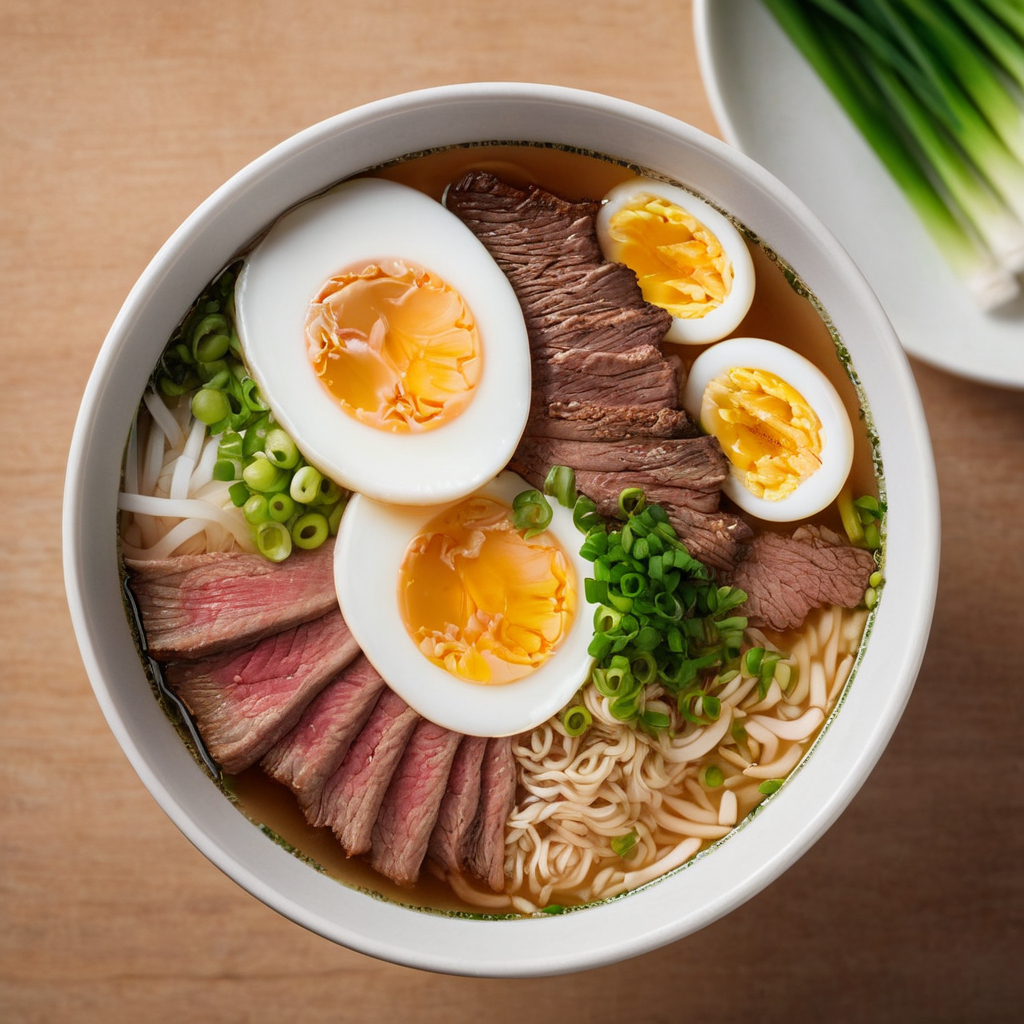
{"type": "Point", "coordinates": [790, 821]}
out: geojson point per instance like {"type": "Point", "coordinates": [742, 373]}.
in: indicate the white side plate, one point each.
{"type": "Point", "coordinates": [770, 104]}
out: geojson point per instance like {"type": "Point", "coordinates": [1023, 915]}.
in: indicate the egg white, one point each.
{"type": "Point", "coordinates": [368, 554]}
{"type": "Point", "coordinates": [722, 320]}
{"type": "Point", "coordinates": [822, 487]}
{"type": "Point", "coordinates": [365, 220]}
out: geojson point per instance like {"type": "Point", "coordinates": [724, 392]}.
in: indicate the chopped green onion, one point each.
{"type": "Point", "coordinates": [230, 446]}
{"type": "Point", "coordinates": [273, 541]}
{"type": "Point", "coordinates": [251, 395]}
{"type": "Point", "coordinates": [263, 476]}
{"type": "Point", "coordinates": [752, 660]}
{"type": "Point", "coordinates": [255, 436]}
{"type": "Point", "coordinates": [531, 513]}
{"type": "Point", "coordinates": [577, 720]}
{"type": "Point", "coordinates": [203, 362]}
{"type": "Point", "coordinates": [769, 786]}
{"type": "Point", "coordinates": [310, 530]}
{"type": "Point", "coordinates": [625, 846]}
{"type": "Point", "coordinates": [239, 494]}
{"type": "Point", "coordinates": [861, 519]}
{"type": "Point", "coordinates": [305, 485]}
{"type": "Point", "coordinates": [209, 338]}
{"type": "Point", "coordinates": [329, 492]}
{"type": "Point", "coordinates": [711, 776]}
{"type": "Point", "coordinates": [584, 514]}
{"type": "Point", "coordinates": [644, 667]}
{"type": "Point", "coordinates": [659, 618]}
{"type": "Point", "coordinates": [872, 538]}
{"type": "Point", "coordinates": [561, 485]}
{"type": "Point", "coordinates": [280, 449]}
{"type": "Point", "coordinates": [210, 405]}
{"type": "Point", "coordinates": [631, 501]}
{"type": "Point", "coordinates": [786, 675]}
{"type": "Point", "coordinates": [256, 510]}
{"type": "Point", "coordinates": [654, 721]}
{"type": "Point", "coordinates": [224, 470]}
{"type": "Point", "coordinates": [281, 508]}
{"type": "Point", "coordinates": [334, 518]}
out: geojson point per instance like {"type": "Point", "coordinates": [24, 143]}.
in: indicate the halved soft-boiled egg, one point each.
{"type": "Point", "coordinates": [780, 422]}
{"type": "Point", "coordinates": [688, 258]}
{"type": "Point", "coordinates": [476, 625]}
{"type": "Point", "coordinates": [387, 342]}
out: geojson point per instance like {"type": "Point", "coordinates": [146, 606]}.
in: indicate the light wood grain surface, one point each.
{"type": "Point", "coordinates": [116, 119]}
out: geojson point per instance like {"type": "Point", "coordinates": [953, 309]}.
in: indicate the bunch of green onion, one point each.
{"type": "Point", "coordinates": [287, 502]}
{"type": "Point", "coordinates": [936, 88]}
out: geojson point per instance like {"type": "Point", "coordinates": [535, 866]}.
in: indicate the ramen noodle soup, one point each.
{"type": "Point", "coordinates": [502, 529]}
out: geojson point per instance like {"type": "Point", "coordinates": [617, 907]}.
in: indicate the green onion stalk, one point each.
{"type": "Point", "coordinates": [287, 503]}
{"type": "Point", "coordinates": [936, 88]}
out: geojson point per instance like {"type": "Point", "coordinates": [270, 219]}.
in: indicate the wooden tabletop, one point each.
{"type": "Point", "coordinates": [117, 118]}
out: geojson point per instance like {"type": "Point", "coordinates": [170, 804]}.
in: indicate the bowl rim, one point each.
{"type": "Point", "coordinates": [671, 907]}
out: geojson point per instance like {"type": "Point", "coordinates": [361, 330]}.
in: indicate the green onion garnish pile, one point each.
{"type": "Point", "coordinates": [936, 88]}
{"type": "Point", "coordinates": [287, 502]}
{"type": "Point", "coordinates": [660, 617]}
{"type": "Point", "coordinates": [661, 620]}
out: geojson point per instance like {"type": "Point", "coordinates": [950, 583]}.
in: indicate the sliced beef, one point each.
{"type": "Point", "coordinates": [497, 798]}
{"type": "Point", "coordinates": [548, 248]}
{"type": "Point", "coordinates": [585, 316]}
{"type": "Point", "coordinates": [596, 361]}
{"type": "Point", "coordinates": [245, 701]}
{"type": "Point", "coordinates": [516, 224]}
{"type": "Point", "coordinates": [197, 605]}
{"type": "Point", "coordinates": [409, 811]}
{"type": "Point", "coordinates": [718, 539]}
{"type": "Point", "coordinates": [314, 749]}
{"type": "Point", "coordinates": [596, 421]}
{"type": "Point", "coordinates": [784, 577]}
{"type": "Point", "coordinates": [646, 386]}
{"type": "Point", "coordinates": [598, 309]}
{"type": "Point", "coordinates": [696, 463]}
{"type": "Point", "coordinates": [352, 795]}
{"type": "Point", "coordinates": [449, 841]}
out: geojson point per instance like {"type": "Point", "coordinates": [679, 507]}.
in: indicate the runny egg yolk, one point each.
{"type": "Point", "coordinates": [766, 428]}
{"type": "Point", "coordinates": [479, 600]}
{"type": "Point", "coordinates": [395, 345]}
{"type": "Point", "coordinates": [679, 263]}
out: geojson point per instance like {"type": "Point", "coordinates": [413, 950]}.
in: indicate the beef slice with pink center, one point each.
{"type": "Point", "coordinates": [245, 701]}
